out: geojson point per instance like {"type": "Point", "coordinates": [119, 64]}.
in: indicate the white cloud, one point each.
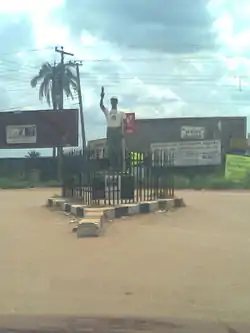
{"type": "Point", "coordinates": [150, 83]}
{"type": "Point", "coordinates": [30, 6]}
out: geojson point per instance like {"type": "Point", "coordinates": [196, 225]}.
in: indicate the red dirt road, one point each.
{"type": "Point", "coordinates": [191, 263]}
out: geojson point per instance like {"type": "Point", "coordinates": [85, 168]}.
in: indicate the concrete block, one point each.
{"type": "Point", "coordinates": [144, 207]}
{"type": "Point", "coordinates": [133, 209]}
{"type": "Point", "coordinates": [50, 202]}
{"type": "Point", "coordinates": [59, 203]}
{"type": "Point", "coordinates": [162, 204]}
{"type": "Point", "coordinates": [88, 227]}
{"type": "Point", "coordinates": [153, 206]}
{"type": "Point", "coordinates": [109, 213]}
{"type": "Point", "coordinates": [77, 210]}
{"type": "Point", "coordinates": [179, 202]}
{"type": "Point", "coordinates": [98, 216]}
{"type": "Point", "coordinates": [121, 211]}
{"type": "Point", "coordinates": [67, 207]}
{"type": "Point", "coordinates": [170, 204]}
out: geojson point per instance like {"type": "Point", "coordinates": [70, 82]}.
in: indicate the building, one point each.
{"type": "Point", "coordinates": [183, 131]}
{"type": "Point", "coordinates": [150, 131]}
{"type": "Point", "coordinates": [97, 148]}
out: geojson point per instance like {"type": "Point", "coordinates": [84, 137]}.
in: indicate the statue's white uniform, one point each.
{"type": "Point", "coordinates": [115, 120]}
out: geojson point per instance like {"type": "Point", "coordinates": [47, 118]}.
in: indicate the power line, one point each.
{"type": "Point", "coordinates": [12, 87]}
{"type": "Point", "coordinates": [25, 51]}
{"type": "Point", "coordinates": [220, 84]}
{"type": "Point", "coordinates": [140, 75]}
{"type": "Point", "coordinates": [172, 103]}
{"type": "Point", "coordinates": [27, 70]}
{"type": "Point", "coordinates": [160, 80]}
{"type": "Point", "coordinates": [137, 58]}
{"type": "Point", "coordinates": [97, 46]}
{"type": "Point", "coordinates": [32, 68]}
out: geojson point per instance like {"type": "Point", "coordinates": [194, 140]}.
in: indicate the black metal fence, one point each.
{"type": "Point", "coordinates": [89, 180]}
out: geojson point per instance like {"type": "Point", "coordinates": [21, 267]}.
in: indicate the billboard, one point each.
{"type": "Point", "coordinates": [190, 153]}
{"type": "Point", "coordinates": [39, 129]}
{"type": "Point", "coordinates": [237, 167]}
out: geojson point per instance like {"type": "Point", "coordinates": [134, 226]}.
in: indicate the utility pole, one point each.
{"type": "Point", "coordinates": [60, 106]}
{"type": "Point", "coordinates": [79, 92]}
{"type": "Point", "coordinates": [63, 53]}
{"type": "Point", "coordinates": [54, 100]}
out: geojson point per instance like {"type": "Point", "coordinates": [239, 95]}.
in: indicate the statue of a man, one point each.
{"type": "Point", "coordinates": [115, 135]}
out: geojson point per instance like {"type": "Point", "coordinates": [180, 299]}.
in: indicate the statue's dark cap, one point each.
{"type": "Point", "coordinates": [114, 99]}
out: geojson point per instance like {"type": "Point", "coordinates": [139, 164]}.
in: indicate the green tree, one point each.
{"type": "Point", "coordinates": [49, 79]}
{"type": "Point", "coordinates": [33, 154]}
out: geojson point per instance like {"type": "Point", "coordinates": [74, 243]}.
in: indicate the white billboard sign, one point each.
{"type": "Point", "coordinates": [21, 134]}
{"type": "Point", "coordinates": [193, 132]}
{"type": "Point", "coordinates": [190, 153]}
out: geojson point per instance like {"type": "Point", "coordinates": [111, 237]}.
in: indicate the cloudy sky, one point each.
{"type": "Point", "coordinates": [160, 57]}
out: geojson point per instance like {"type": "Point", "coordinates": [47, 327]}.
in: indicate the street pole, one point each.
{"type": "Point", "coordinates": [60, 106]}
{"type": "Point", "coordinates": [79, 92]}
{"type": "Point", "coordinates": [54, 102]}
{"type": "Point", "coordinates": [63, 53]}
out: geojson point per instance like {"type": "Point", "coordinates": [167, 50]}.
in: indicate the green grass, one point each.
{"type": "Point", "coordinates": [19, 183]}
{"type": "Point", "coordinates": [214, 182]}
{"type": "Point", "coordinates": [50, 183]}
{"type": "Point", "coordinates": [7, 183]}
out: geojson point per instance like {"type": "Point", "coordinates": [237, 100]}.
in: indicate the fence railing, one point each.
{"type": "Point", "coordinates": [90, 181]}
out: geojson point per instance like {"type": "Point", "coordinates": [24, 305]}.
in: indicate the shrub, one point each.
{"type": "Point", "coordinates": [6, 183]}
{"type": "Point", "coordinates": [52, 183]}
{"type": "Point", "coordinates": [221, 183]}
{"type": "Point", "coordinates": [198, 183]}
{"type": "Point", "coordinates": [215, 182]}
{"type": "Point", "coordinates": [181, 182]}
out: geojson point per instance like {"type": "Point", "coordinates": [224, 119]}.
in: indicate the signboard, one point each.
{"type": "Point", "coordinates": [21, 134]}
{"type": "Point", "coordinates": [129, 126]}
{"type": "Point", "coordinates": [192, 132]}
{"type": "Point", "coordinates": [39, 129]}
{"type": "Point", "coordinates": [191, 153]}
{"type": "Point", "coordinates": [237, 167]}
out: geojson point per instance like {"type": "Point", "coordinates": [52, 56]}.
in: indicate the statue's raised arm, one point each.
{"type": "Point", "coordinates": [104, 110]}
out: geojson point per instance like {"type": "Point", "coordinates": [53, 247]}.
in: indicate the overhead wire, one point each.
{"type": "Point", "coordinates": [161, 57]}
{"type": "Point", "coordinates": [26, 71]}
{"type": "Point", "coordinates": [27, 51]}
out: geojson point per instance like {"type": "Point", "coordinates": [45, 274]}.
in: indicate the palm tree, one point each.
{"type": "Point", "coordinates": [49, 78]}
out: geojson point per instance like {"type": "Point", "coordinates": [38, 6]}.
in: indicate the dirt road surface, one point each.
{"type": "Point", "coordinates": [191, 263]}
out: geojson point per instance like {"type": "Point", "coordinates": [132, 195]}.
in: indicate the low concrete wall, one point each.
{"type": "Point", "coordinates": [92, 219]}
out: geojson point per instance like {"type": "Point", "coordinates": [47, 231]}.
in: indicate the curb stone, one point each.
{"type": "Point", "coordinates": [56, 203]}
{"type": "Point", "coordinates": [179, 202]}
{"type": "Point", "coordinates": [88, 227]}
{"type": "Point", "coordinates": [77, 210]}
{"type": "Point", "coordinates": [92, 219]}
